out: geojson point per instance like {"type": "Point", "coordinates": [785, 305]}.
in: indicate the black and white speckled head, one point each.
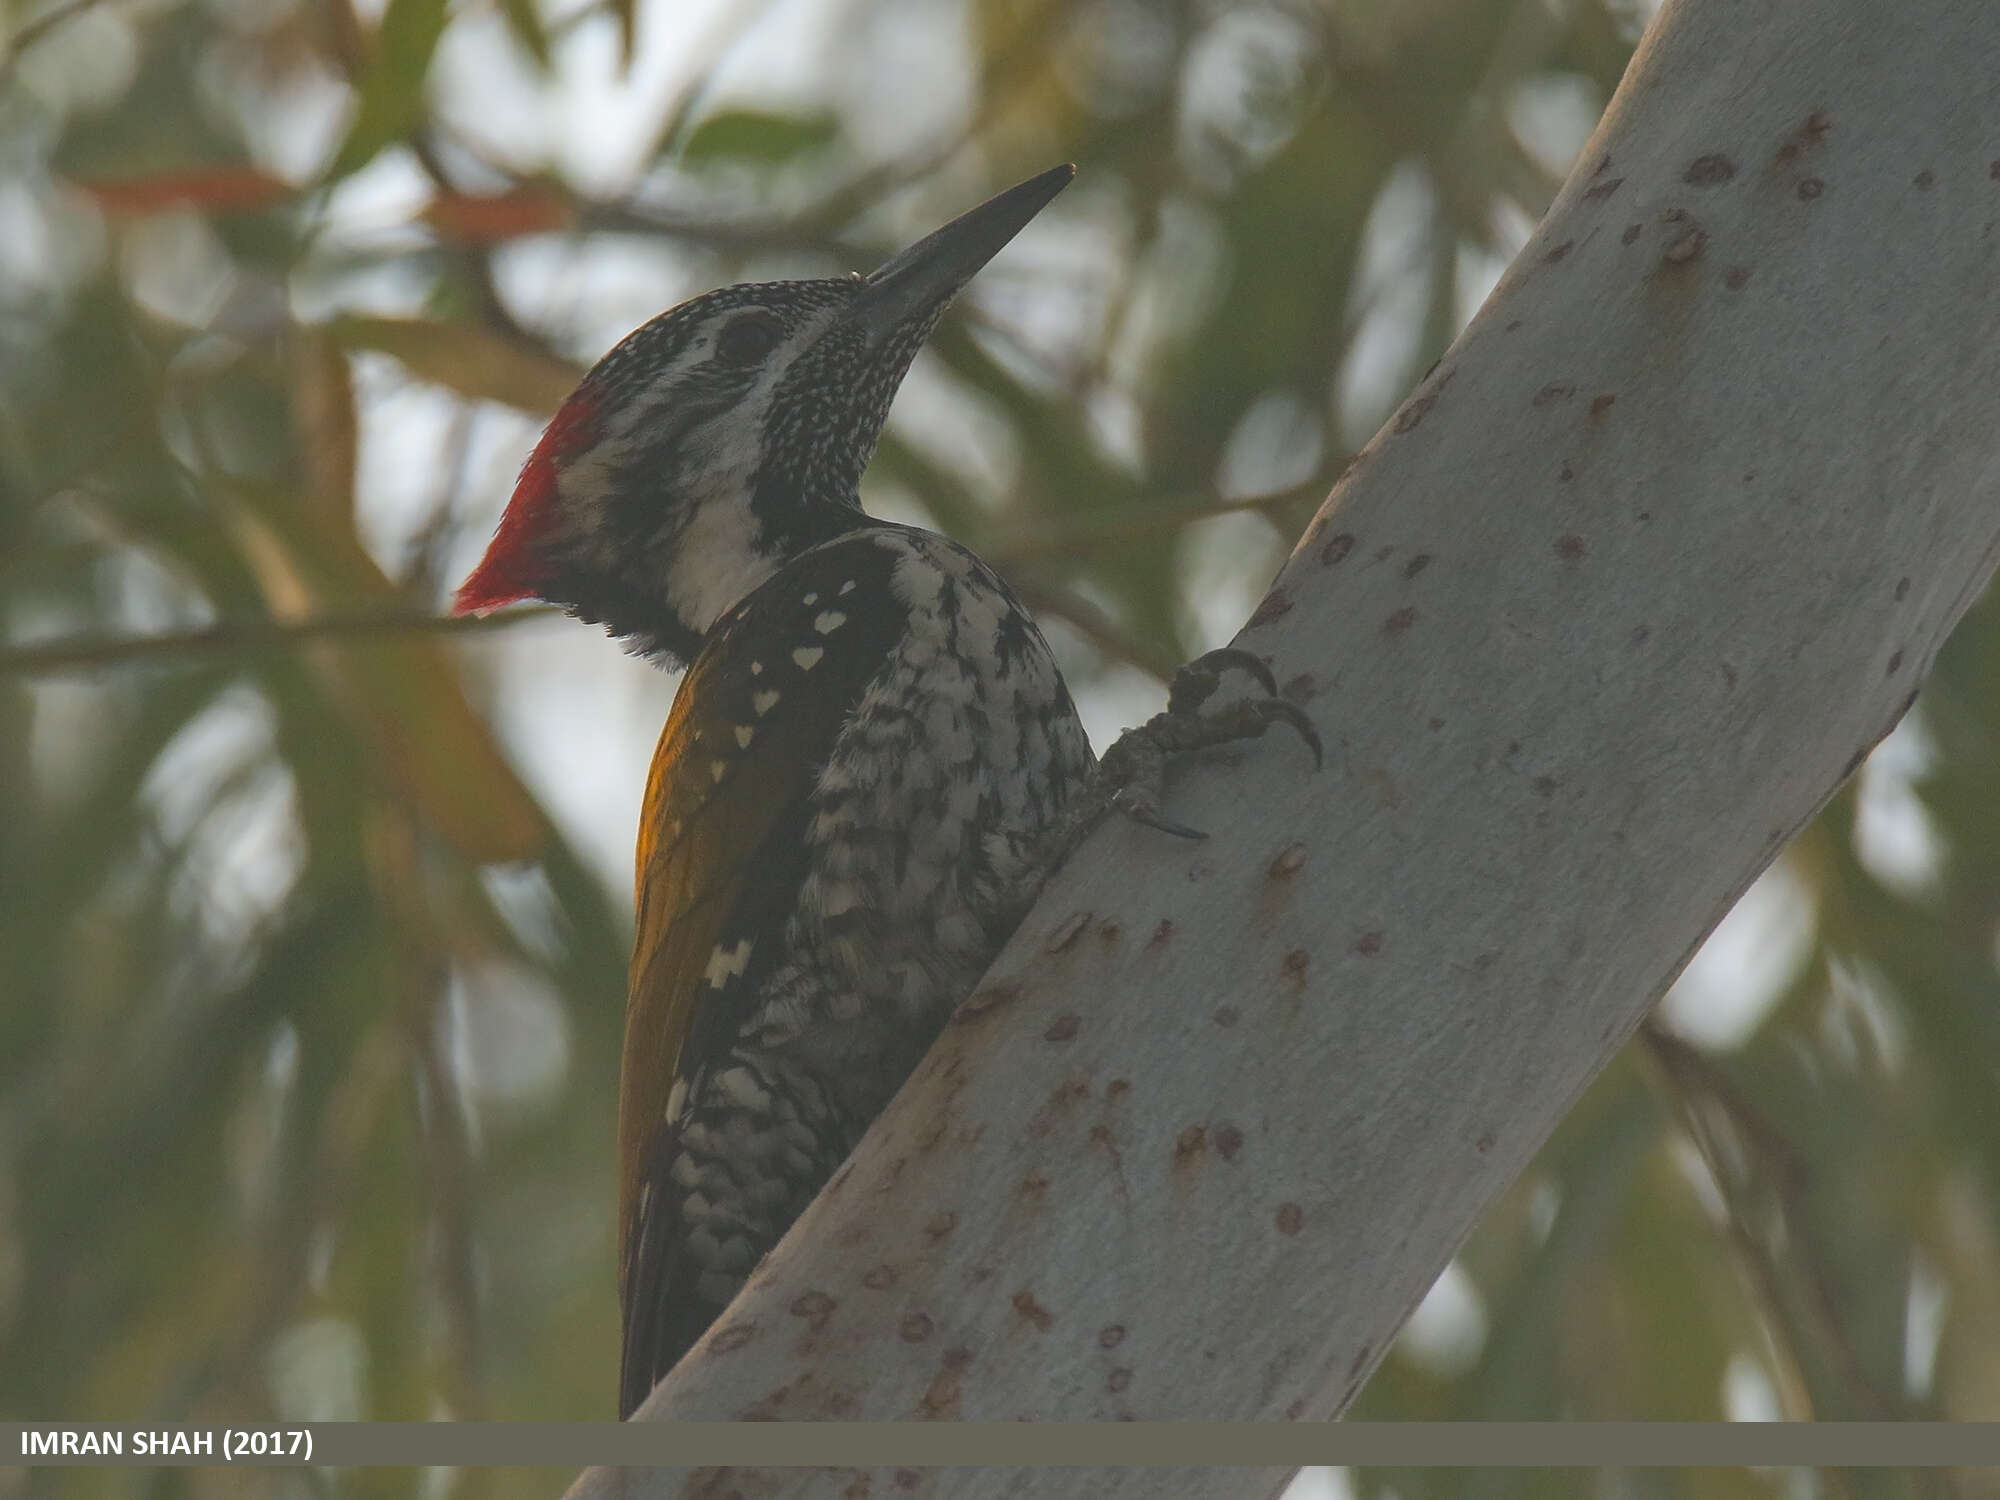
{"type": "Point", "coordinates": [725, 437]}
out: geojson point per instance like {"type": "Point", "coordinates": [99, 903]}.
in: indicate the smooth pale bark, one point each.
{"type": "Point", "coordinates": [1627, 588]}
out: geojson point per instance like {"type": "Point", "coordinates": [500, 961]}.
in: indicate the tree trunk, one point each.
{"type": "Point", "coordinates": [1628, 587]}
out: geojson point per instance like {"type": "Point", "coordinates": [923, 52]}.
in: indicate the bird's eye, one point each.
{"type": "Point", "coordinates": [748, 339]}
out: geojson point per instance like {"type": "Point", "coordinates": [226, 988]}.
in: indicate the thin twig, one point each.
{"type": "Point", "coordinates": [88, 652]}
{"type": "Point", "coordinates": [1143, 518]}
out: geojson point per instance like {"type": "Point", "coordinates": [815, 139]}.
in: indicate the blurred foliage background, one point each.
{"type": "Point", "coordinates": [313, 908]}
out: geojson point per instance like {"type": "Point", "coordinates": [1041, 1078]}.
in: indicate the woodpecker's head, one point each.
{"type": "Point", "coordinates": [725, 437]}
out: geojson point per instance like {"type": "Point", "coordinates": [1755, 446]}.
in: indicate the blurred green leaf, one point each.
{"type": "Point", "coordinates": [391, 102]}
{"type": "Point", "coordinates": [465, 358]}
{"type": "Point", "coordinates": [757, 138]}
{"type": "Point", "coordinates": [404, 699]}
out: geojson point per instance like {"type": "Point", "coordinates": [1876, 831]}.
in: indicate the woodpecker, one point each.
{"type": "Point", "coordinates": [868, 771]}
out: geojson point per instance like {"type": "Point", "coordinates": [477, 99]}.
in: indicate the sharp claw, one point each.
{"type": "Point", "coordinates": [1245, 661]}
{"type": "Point", "coordinates": [1292, 714]}
{"type": "Point", "coordinates": [1210, 665]}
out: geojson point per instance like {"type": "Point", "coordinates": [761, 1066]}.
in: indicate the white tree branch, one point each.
{"type": "Point", "coordinates": [1628, 587]}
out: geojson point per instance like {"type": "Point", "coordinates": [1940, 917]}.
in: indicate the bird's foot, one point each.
{"type": "Point", "coordinates": [1132, 772]}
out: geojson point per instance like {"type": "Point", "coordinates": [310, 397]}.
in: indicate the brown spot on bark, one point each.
{"type": "Point", "coordinates": [1290, 1218]}
{"type": "Point", "coordinates": [1288, 861]}
{"type": "Point", "coordinates": [1064, 937]}
{"type": "Point", "coordinates": [1111, 1335]}
{"type": "Point", "coordinates": [1108, 932]}
{"type": "Point", "coordinates": [732, 1338]}
{"type": "Point", "coordinates": [1545, 786]}
{"type": "Point", "coordinates": [941, 1398]}
{"type": "Point", "coordinates": [1117, 1380]}
{"type": "Point", "coordinates": [908, 1479]}
{"type": "Point", "coordinates": [1302, 688]}
{"type": "Point", "coordinates": [915, 1328]}
{"type": "Point", "coordinates": [1191, 1146]}
{"type": "Point", "coordinates": [1033, 1185]}
{"type": "Point", "coordinates": [1117, 1088]}
{"type": "Point", "coordinates": [1632, 232]}
{"type": "Point", "coordinates": [1418, 407]}
{"type": "Point", "coordinates": [1599, 405]}
{"type": "Point", "coordinates": [1736, 278]}
{"type": "Point", "coordinates": [1708, 171]}
{"type": "Point", "coordinates": [1226, 1016]}
{"type": "Point", "coordinates": [1337, 547]}
{"type": "Point", "coordinates": [1685, 247]}
{"type": "Point", "coordinates": [1565, 473]}
{"type": "Point", "coordinates": [879, 1278]}
{"type": "Point", "coordinates": [1902, 589]}
{"type": "Point", "coordinates": [991, 998]}
{"type": "Point", "coordinates": [1809, 188]}
{"type": "Point", "coordinates": [1293, 970]}
{"type": "Point", "coordinates": [814, 1307]}
{"type": "Point", "coordinates": [1558, 252]}
{"type": "Point", "coordinates": [1434, 725]}
{"type": "Point", "coordinates": [1275, 605]}
{"type": "Point", "coordinates": [1484, 1145]}
{"type": "Point", "coordinates": [1923, 179]}
{"type": "Point", "coordinates": [1400, 621]}
{"type": "Point", "coordinates": [1551, 393]}
{"type": "Point", "coordinates": [1368, 944]}
{"type": "Point", "coordinates": [1570, 548]}
{"type": "Point", "coordinates": [1162, 935]}
{"type": "Point", "coordinates": [1026, 1305]}
{"type": "Point", "coordinates": [1416, 565]}
{"type": "Point", "coordinates": [1640, 635]}
{"type": "Point", "coordinates": [1062, 1029]}
{"type": "Point", "coordinates": [1895, 663]}
{"type": "Point", "coordinates": [1228, 1141]}
{"type": "Point", "coordinates": [1598, 191]}
{"type": "Point", "coordinates": [940, 1226]}
{"type": "Point", "coordinates": [1298, 1408]}
{"type": "Point", "coordinates": [1807, 135]}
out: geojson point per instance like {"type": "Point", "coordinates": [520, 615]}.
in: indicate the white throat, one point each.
{"type": "Point", "coordinates": [716, 562]}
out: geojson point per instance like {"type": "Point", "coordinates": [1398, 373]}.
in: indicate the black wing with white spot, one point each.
{"type": "Point", "coordinates": [722, 855]}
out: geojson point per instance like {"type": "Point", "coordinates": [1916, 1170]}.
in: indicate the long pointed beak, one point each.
{"type": "Point", "coordinates": [915, 285]}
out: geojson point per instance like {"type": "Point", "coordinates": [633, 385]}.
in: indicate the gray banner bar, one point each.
{"type": "Point", "coordinates": [1010, 1444]}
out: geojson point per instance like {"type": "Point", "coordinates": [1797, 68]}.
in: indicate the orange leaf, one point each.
{"type": "Point", "coordinates": [218, 189]}
{"type": "Point", "coordinates": [484, 218]}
